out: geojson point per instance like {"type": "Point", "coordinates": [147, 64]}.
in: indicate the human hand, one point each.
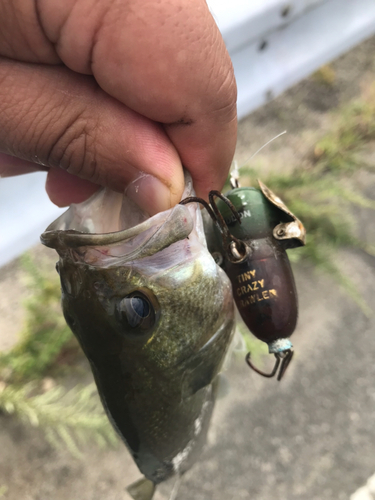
{"type": "Point", "coordinates": [103, 91]}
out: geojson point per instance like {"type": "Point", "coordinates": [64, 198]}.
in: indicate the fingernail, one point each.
{"type": "Point", "coordinates": [149, 193]}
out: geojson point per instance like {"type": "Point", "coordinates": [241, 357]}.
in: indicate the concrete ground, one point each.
{"type": "Point", "coordinates": [312, 436]}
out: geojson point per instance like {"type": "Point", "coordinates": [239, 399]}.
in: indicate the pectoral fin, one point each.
{"type": "Point", "coordinates": [143, 489]}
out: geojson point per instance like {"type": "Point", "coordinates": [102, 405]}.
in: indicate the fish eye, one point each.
{"type": "Point", "coordinates": [138, 312]}
{"type": "Point", "coordinates": [136, 309]}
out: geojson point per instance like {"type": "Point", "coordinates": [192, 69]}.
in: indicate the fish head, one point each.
{"type": "Point", "coordinates": [147, 295]}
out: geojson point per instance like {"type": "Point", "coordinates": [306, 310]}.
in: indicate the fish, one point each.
{"type": "Point", "coordinates": [154, 315]}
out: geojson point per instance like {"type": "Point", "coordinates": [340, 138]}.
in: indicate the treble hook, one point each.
{"type": "Point", "coordinates": [233, 245]}
{"type": "Point", "coordinates": [285, 356]}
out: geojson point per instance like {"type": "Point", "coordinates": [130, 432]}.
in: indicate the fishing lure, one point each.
{"type": "Point", "coordinates": [256, 229]}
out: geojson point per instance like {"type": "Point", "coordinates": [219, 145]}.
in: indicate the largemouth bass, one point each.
{"type": "Point", "coordinates": [154, 315]}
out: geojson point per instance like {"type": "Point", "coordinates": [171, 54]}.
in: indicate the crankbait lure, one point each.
{"type": "Point", "coordinates": [256, 230]}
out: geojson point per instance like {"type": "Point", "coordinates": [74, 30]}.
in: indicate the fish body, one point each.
{"type": "Point", "coordinates": [154, 315]}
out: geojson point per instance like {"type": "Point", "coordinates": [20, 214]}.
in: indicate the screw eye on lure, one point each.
{"type": "Point", "coordinates": [256, 229]}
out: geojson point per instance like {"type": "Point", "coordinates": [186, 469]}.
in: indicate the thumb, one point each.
{"type": "Point", "coordinates": [146, 190]}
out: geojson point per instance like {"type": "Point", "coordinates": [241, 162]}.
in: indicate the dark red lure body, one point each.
{"type": "Point", "coordinates": [264, 291]}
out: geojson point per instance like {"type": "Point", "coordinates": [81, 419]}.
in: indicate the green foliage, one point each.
{"type": "Point", "coordinates": [319, 195]}
{"type": "Point", "coordinates": [45, 334]}
{"type": "Point", "coordinates": [337, 152]}
{"type": "Point", "coordinates": [70, 418]}
{"type": "Point", "coordinates": [325, 75]}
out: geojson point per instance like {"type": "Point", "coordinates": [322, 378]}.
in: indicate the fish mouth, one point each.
{"type": "Point", "coordinates": [114, 226]}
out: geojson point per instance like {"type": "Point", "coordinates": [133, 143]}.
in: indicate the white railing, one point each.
{"type": "Point", "coordinates": [273, 45]}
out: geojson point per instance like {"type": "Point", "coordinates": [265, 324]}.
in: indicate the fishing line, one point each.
{"type": "Point", "coordinates": [235, 171]}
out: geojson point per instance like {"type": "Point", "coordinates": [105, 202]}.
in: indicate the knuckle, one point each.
{"type": "Point", "coordinates": [73, 149]}
{"type": "Point", "coordinates": [225, 103]}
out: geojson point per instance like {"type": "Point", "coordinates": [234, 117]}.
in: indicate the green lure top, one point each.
{"type": "Point", "coordinates": [258, 215]}
{"type": "Point", "coordinates": [263, 215]}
